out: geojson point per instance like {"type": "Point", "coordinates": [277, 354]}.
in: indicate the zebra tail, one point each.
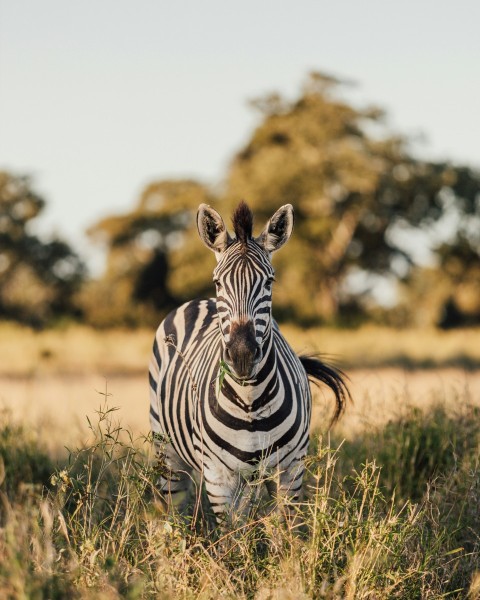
{"type": "Point", "coordinates": [334, 378]}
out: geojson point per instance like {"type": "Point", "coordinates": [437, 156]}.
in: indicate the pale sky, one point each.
{"type": "Point", "coordinates": [98, 98]}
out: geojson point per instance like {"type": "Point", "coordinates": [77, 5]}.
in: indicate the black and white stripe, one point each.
{"type": "Point", "coordinates": [253, 414]}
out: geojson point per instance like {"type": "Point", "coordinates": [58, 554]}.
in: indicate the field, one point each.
{"type": "Point", "coordinates": [391, 507]}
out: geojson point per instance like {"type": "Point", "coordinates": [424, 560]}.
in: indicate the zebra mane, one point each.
{"type": "Point", "coordinates": [242, 220]}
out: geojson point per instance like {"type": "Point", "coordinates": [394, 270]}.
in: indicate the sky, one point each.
{"type": "Point", "coordinates": [99, 98]}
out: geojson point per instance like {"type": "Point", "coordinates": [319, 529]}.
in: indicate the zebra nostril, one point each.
{"type": "Point", "coordinates": [228, 356]}
{"type": "Point", "coordinates": [258, 354]}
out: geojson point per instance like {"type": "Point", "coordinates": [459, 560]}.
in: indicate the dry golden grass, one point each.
{"type": "Point", "coordinates": [391, 511]}
{"type": "Point", "coordinates": [75, 350]}
{"type": "Point", "coordinates": [53, 379]}
{"type": "Point", "coordinates": [373, 346]}
{"type": "Point", "coordinates": [56, 406]}
{"type": "Point", "coordinates": [393, 514]}
{"type": "Point", "coordinates": [79, 350]}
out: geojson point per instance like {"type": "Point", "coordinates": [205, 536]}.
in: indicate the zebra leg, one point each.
{"type": "Point", "coordinates": [175, 480]}
{"type": "Point", "coordinates": [224, 493]}
{"type": "Point", "coordinates": [284, 487]}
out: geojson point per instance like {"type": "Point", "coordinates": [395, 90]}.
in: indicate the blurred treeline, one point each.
{"type": "Point", "coordinates": [365, 208]}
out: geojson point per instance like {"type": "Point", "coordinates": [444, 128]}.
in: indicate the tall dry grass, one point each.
{"type": "Point", "coordinates": [391, 497]}
{"type": "Point", "coordinates": [54, 406]}
{"type": "Point", "coordinates": [374, 346]}
{"type": "Point", "coordinates": [96, 529]}
{"type": "Point", "coordinates": [77, 350]}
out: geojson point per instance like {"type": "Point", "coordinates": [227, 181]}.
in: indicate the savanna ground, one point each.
{"type": "Point", "coordinates": [392, 497]}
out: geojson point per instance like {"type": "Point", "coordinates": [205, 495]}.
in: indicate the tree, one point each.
{"type": "Point", "coordinates": [358, 194]}
{"type": "Point", "coordinates": [38, 278]}
{"type": "Point", "coordinates": [154, 257]}
{"type": "Point", "coordinates": [353, 185]}
{"type": "Point", "coordinates": [448, 293]}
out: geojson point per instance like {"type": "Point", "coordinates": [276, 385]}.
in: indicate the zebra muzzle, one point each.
{"type": "Point", "coordinates": [242, 352]}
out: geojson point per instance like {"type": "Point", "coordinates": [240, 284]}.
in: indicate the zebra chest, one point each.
{"type": "Point", "coordinates": [246, 450]}
{"type": "Point", "coordinates": [241, 444]}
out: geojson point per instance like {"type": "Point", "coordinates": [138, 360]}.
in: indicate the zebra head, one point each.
{"type": "Point", "coordinates": [243, 278]}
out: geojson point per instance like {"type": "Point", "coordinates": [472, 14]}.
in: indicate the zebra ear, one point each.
{"type": "Point", "coordinates": [278, 229]}
{"type": "Point", "coordinates": [211, 229]}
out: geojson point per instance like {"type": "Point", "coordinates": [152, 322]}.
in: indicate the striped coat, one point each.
{"type": "Point", "coordinates": [229, 398]}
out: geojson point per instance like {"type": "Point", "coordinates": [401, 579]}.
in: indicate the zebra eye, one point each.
{"type": "Point", "coordinates": [218, 285]}
{"type": "Point", "coordinates": [268, 284]}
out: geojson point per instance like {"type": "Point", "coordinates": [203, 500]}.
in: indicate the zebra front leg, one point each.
{"type": "Point", "coordinates": [224, 491]}
{"type": "Point", "coordinates": [285, 487]}
{"type": "Point", "coordinates": [175, 488]}
{"type": "Point", "coordinates": [175, 479]}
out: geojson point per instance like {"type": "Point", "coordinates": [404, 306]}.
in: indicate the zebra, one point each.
{"type": "Point", "coordinates": [229, 398]}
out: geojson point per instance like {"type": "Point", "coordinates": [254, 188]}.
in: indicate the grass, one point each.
{"type": "Point", "coordinates": [374, 346]}
{"type": "Point", "coordinates": [391, 497]}
{"type": "Point", "coordinates": [391, 513]}
{"type": "Point", "coordinates": [74, 350]}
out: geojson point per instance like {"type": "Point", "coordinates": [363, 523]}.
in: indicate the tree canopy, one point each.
{"type": "Point", "coordinates": [355, 188]}
{"type": "Point", "coordinates": [38, 278]}
{"type": "Point", "coordinates": [155, 259]}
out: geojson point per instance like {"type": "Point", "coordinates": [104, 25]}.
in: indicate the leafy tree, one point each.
{"type": "Point", "coordinates": [358, 195]}
{"type": "Point", "coordinates": [353, 186]}
{"type": "Point", "coordinates": [151, 252]}
{"type": "Point", "coordinates": [448, 294]}
{"type": "Point", "coordinates": [37, 278]}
